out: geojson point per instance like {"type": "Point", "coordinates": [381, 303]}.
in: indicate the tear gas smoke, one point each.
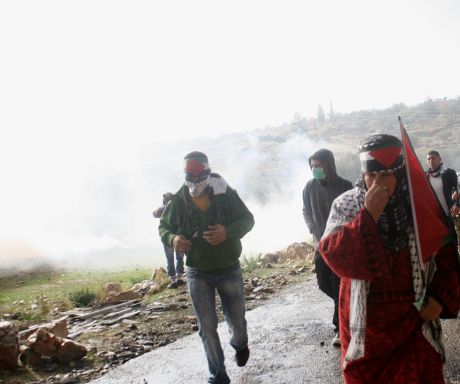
{"type": "Point", "coordinates": [106, 218]}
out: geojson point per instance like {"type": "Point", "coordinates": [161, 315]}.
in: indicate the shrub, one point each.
{"type": "Point", "coordinates": [82, 297]}
{"type": "Point", "coordinates": [249, 264]}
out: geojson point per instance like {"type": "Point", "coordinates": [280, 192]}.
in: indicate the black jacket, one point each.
{"type": "Point", "coordinates": [449, 186]}
{"type": "Point", "coordinates": [318, 195]}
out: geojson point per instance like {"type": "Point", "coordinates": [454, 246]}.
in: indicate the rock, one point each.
{"type": "Point", "coordinates": [31, 358]}
{"type": "Point", "coordinates": [44, 343]}
{"type": "Point", "coordinates": [117, 297]}
{"type": "Point", "coordinates": [70, 350]}
{"type": "Point", "coordinates": [297, 251]}
{"type": "Point", "coordinates": [47, 344]}
{"type": "Point", "coordinates": [9, 346]}
{"type": "Point", "coordinates": [174, 306]}
{"type": "Point", "coordinates": [270, 258]}
{"type": "Point", "coordinates": [57, 327]}
{"type": "Point", "coordinates": [128, 295]}
{"type": "Point", "coordinates": [248, 287]}
{"type": "Point", "coordinates": [129, 324]}
{"type": "Point", "coordinates": [112, 287]}
{"type": "Point", "coordinates": [153, 290]}
{"type": "Point", "coordinates": [143, 287]}
{"type": "Point", "coordinates": [160, 276]}
{"type": "Point", "coordinates": [68, 378]}
{"type": "Point", "coordinates": [263, 289]}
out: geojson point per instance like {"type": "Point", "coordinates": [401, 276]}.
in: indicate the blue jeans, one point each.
{"type": "Point", "coordinates": [202, 287]}
{"type": "Point", "coordinates": [179, 269]}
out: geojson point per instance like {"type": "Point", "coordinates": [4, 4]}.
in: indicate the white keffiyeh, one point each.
{"type": "Point", "coordinates": [217, 183]}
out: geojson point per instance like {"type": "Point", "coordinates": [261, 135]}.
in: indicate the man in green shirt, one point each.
{"type": "Point", "coordinates": [206, 219]}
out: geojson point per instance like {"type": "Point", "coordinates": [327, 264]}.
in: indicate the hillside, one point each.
{"type": "Point", "coordinates": [267, 164]}
{"type": "Point", "coordinates": [434, 124]}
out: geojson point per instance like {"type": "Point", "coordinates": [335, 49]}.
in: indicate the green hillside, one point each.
{"type": "Point", "coordinates": [434, 124]}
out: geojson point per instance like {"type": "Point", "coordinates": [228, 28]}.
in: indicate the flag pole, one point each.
{"type": "Point", "coordinates": [411, 194]}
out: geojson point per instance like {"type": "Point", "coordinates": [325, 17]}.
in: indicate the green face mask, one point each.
{"type": "Point", "coordinates": [318, 173]}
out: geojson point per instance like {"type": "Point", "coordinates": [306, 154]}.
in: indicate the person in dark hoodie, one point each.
{"type": "Point", "coordinates": [318, 195]}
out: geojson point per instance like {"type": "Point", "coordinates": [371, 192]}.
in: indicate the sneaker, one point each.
{"type": "Point", "coordinates": [172, 285]}
{"type": "Point", "coordinates": [336, 341]}
{"type": "Point", "coordinates": [242, 357]}
{"type": "Point", "coordinates": [181, 282]}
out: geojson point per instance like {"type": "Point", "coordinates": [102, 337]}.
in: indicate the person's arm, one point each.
{"type": "Point", "coordinates": [170, 223]}
{"type": "Point", "coordinates": [453, 189]}
{"type": "Point", "coordinates": [243, 220]}
{"type": "Point", "coordinates": [355, 250]}
{"type": "Point", "coordinates": [308, 212]}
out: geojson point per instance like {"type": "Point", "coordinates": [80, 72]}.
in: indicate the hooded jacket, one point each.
{"type": "Point", "coordinates": [319, 195]}
{"type": "Point", "coordinates": [449, 186]}
{"type": "Point", "coordinates": [183, 217]}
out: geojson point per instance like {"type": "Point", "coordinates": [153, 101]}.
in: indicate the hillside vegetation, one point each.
{"type": "Point", "coordinates": [434, 124]}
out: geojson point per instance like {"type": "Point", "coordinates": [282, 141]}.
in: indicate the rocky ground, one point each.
{"type": "Point", "coordinates": [134, 328]}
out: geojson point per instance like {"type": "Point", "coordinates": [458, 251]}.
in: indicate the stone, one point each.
{"type": "Point", "coordinates": [117, 297]}
{"type": "Point", "coordinates": [9, 346]}
{"type": "Point", "coordinates": [112, 287]}
{"type": "Point", "coordinates": [270, 258]}
{"type": "Point", "coordinates": [143, 287]}
{"type": "Point", "coordinates": [69, 351]}
{"type": "Point", "coordinates": [153, 290]}
{"type": "Point", "coordinates": [44, 343]}
{"type": "Point", "coordinates": [160, 276]}
{"type": "Point", "coordinates": [56, 327]}
{"type": "Point", "coordinates": [297, 251]}
{"type": "Point", "coordinates": [31, 358]}
{"type": "Point", "coordinates": [263, 289]}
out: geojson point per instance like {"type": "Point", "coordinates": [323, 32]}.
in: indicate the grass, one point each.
{"type": "Point", "coordinates": [249, 263]}
{"type": "Point", "coordinates": [140, 276]}
{"type": "Point", "coordinates": [82, 297]}
{"type": "Point", "coordinates": [33, 294]}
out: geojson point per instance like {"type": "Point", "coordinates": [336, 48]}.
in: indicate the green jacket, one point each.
{"type": "Point", "coordinates": [182, 217]}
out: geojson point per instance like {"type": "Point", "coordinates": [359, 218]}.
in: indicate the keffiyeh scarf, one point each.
{"type": "Point", "coordinates": [436, 172]}
{"type": "Point", "coordinates": [214, 181]}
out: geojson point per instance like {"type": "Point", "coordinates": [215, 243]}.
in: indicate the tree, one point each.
{"type": "Point", "coordinates": [331, 110]}
{"type": "Point", "coordinates": [320, 116]}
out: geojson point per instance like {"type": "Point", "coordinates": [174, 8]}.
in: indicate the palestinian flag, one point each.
{"type": "Point", "coordinates": [431, 229]}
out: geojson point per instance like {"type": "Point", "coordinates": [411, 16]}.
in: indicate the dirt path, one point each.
{"type": "Point", "coordinates": [289, 341]}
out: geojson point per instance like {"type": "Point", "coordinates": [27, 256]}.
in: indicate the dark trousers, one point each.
{"type": "Point", "coordinates": [329, 283]}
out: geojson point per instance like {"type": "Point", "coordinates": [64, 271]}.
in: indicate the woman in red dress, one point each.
{"type": "Point", "coordinates": [390, 304]}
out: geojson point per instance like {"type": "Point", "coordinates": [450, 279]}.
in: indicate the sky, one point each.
{"type": "Point", "coordinates": [85, 86]}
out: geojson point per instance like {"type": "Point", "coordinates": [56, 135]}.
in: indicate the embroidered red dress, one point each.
{"type": "Point", "coordinates": [395, 350]}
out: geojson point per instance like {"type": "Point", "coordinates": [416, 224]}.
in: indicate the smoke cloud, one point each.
{"type": "Point", "coordinates": [103, 217]}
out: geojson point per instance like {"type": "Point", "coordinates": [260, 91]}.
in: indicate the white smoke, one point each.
{"type": "Point", "coordinates": [102, 216]}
